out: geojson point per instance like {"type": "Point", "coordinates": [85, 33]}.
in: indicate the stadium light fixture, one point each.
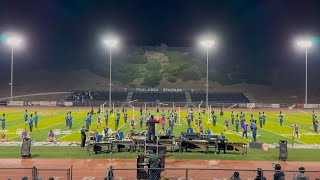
{"type": "Point", "coordinates": [305, 43]}
{"type": "Point", "coordinates": [207, 44]}
{"type": "Point", "coordinates": [111, 44]}
{"type": "Point", "coordinates": [13, 41]}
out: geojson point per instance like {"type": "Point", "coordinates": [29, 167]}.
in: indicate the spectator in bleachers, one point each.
{"type": "Point", "coordinates": [278, 175]}
{"type": "Point", "coordinates": [50, 136]}
{"type": "Point", "coordinates": [235, 176]}
{"type": "Point", "coordinates": [301, 175]}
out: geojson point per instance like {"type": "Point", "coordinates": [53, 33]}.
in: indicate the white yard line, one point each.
{"type": "Point", "coordinates": [45, 128]}
{"type": "Point", "coordinates": [281, 135]}
{"type": "Point", "coordinates": [302, 111]}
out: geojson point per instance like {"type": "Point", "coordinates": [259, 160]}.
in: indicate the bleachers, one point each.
{"type": "Point", "coordinates": [159, 96]}
{"type": "Point", "coordinates": [121, 96]}
{"type": "Point", "coordinates": [85, 96]}
{"type": "Point", "coordinates": [220, 97]}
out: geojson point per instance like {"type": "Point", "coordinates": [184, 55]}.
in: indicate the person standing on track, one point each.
{"type": "Point", "coordinates": [3, 121]}
{"type": "Point", "coordinates": [281, 118]}
{"type": "Point", "coordinates": [36, 119]}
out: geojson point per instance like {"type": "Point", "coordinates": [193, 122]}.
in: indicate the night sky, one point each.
{"type": "Point", "coordinates": [256, 32]}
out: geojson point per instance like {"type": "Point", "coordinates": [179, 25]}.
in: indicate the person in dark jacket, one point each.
{"type": "Point", "coordinates": [278, 175]}
{"type": "Point", "coordinates": [260, 175]}
{"type": "Point", "coordinates": [151, 130]}
{"type": "Point", "coordinates": [83, 136]}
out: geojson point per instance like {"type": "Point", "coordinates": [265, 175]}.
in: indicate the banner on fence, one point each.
{"type": "Point", "coordinates": [33, 103]}
{"type": "Point", "coordinates": [251, 105]}
{"type": "Point", "coordinates": [259, 105]}
{"type": "Point", "coordinates": [300, 106]}
{"type": "Point", "coordinates": [267, 105]}
{"type": "Point", "coordinates": [48, 103]}
{"type": "Point", "coordinates": [311, 106]}
{"type": "Point", "coordinates": [67, 104]}
{"type": "Point", "coordinates": [275, 105]}
{"type": "Point", "coordinates": [242, 105]}
{"type": "Point", "coordinates": [16, 103]}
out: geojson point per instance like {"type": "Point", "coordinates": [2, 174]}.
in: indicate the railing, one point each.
{"type": "Point", "coordinates": [200, 174]}
{"type": "Point", "coordinates": [34, 173]}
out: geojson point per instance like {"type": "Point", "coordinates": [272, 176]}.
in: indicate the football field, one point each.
{"type": "Point", "coordinates": [54, 118]}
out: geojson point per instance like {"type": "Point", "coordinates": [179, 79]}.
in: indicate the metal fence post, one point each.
{"type": "Point", "coordinates": [186, 174]}
{"type": "Point", "coordinates": [34, 173]}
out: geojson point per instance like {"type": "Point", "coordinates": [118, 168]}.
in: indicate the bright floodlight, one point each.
{"type": "Point", "coordinates": [304, 43]}
{"type": "Point", "coordinates": [207, 43]}
{"type": "Point", "coordinates": [14, 41]}
{"type": "Point", "coordinates": [110, 42]}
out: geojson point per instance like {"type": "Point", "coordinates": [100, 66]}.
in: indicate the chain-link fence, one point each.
{"type": "Point", "coordinates": [34, 173]}
{"type": "Point", "coordinates": [203, 174]}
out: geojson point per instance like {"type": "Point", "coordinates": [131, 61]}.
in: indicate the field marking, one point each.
{"type": "Point", "coordinates": [234, 132]}
{"type": "Point", "coordinates": [281, 135]}
{"type": "Point", "coordinates": [302, 111]}
{"type": "Point", "coordinates": [45, 128]}
{"type": "Point", "coordinates": [81, 128]}
{"type": "Point", "coordinates": [296, 122]}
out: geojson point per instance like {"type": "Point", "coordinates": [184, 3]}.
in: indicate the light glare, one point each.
{"type": "Point", "coordinates": [14, 41]}
{"type": "Point", "coordinates": [304, 43]}
{"type": "Point", "coordinates": [207, 43]}
{"type": "Point", "coordinates": [110, 42]}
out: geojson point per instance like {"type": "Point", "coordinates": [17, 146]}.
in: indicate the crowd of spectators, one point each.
{"type": "Point", "coordinates": [82, 96]}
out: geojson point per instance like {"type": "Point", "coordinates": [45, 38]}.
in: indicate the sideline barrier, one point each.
{"type": "Point", "coordinates": [34, 173]}
{"type": "Point", "coordinates": [15, 103]}
{"type": "Point", "coordinates": [198, 173]}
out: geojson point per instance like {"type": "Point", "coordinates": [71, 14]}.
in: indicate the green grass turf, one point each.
{"type": "Point", "coordinates": [78, 152]}
{"type": "Point", "coordinates": [271, 133]}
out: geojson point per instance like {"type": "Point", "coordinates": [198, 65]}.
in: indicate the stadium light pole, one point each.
{"type": "Point", "coordinates": [305, 44]}
{"type": "Point", "coordinates": [110, 43]}
{"type": "Point", "coordinates": [207, 44]}
{"type": "Point", "coordinates": [13, 41]}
